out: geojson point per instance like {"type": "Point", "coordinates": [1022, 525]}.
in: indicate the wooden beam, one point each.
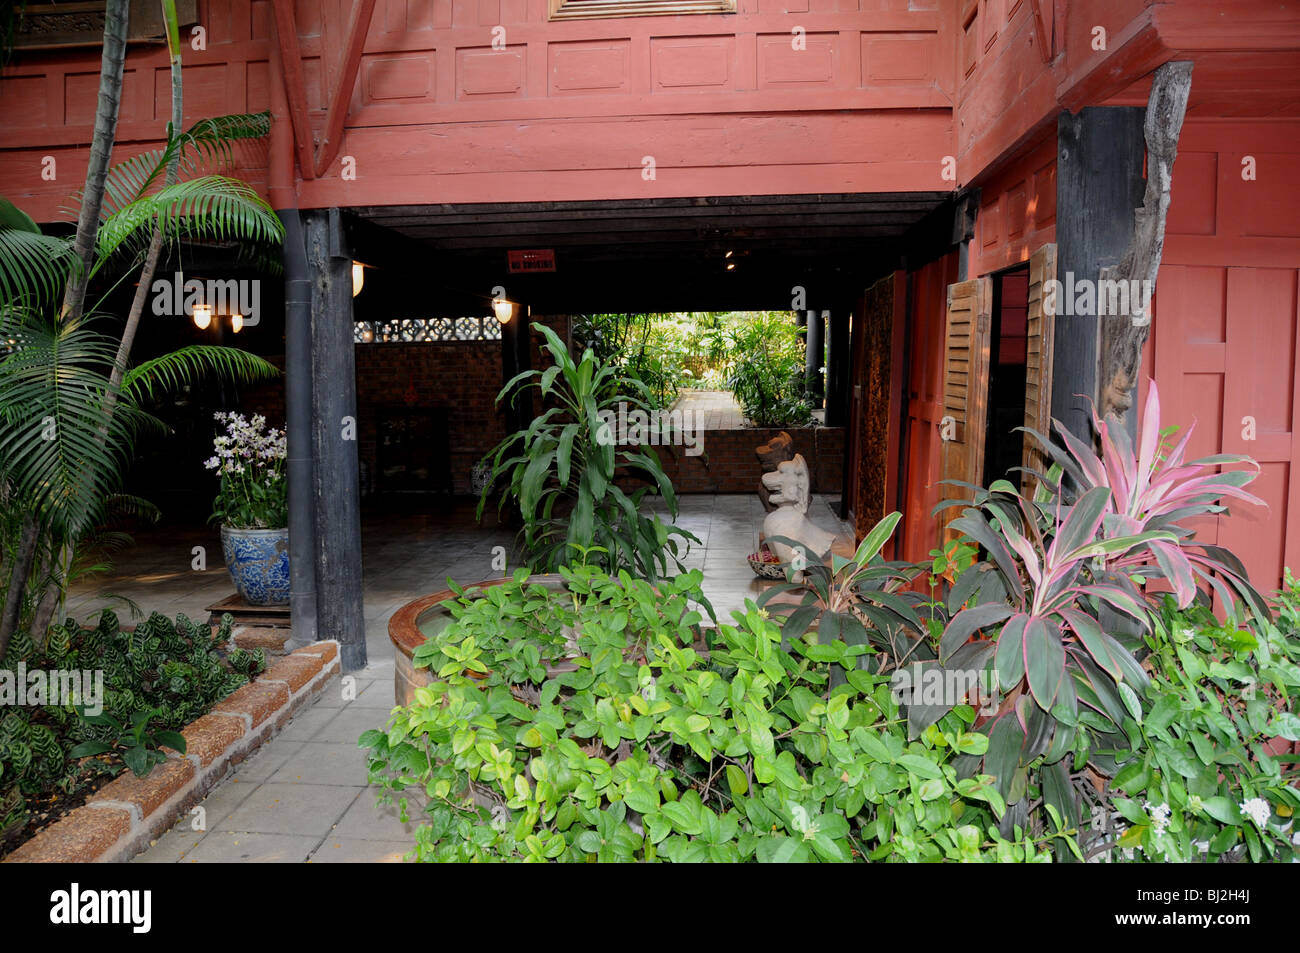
{"type": "Point", "coordinates": [338, 107]}
{"type": "Point", "coordinates": [295, 87]}
{"type": "Point", "coordinates": [1123, 335]}
{"type": "Point", "coordinates": [713, 204]}
{"type": "Point", "coordinates": [1041, 34]}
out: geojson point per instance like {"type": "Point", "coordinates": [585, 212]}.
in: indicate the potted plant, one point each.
{"type": "Point", "coordinates": [253, 508]}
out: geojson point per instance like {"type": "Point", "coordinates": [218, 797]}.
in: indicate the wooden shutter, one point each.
{"type": "Point", "coordinates": [1038, 362]}
{"type": "Point", "coordinates": [965, 390]}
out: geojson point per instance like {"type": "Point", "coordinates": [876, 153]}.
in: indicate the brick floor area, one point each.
{"type": "Point", "coordinates": [303, 796]}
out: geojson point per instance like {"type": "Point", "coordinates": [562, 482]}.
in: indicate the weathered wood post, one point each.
{"type": "Point", "coordinates": [1124, 329]}
{"type": "Point", "coordinates": [298, 430]}
{"type": "Point", "coordinates": [1098, 183]}
{"type": "Point", "coordinates": [339, 611]}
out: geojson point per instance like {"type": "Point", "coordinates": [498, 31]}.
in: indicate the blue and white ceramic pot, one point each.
{"type": "Point", "coordinates": [258, 560]}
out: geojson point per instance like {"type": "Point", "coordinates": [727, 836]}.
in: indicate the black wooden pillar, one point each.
{"type": "Point", "coordinates": [814, 354]}
{"type": "Point", "coordinates": [339, 611]}
{"type": "Point", "coordinates": [1098, 184]}
{"type": "Point", "coordinates": [837, 368]}
{"type": "Point", "coordinates": [298, 430]}
{"type": "Point", "coordinates": [516, 357]}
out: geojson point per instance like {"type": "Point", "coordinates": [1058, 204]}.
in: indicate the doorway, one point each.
{"type": "Point", "coordinates": [1009, 336]}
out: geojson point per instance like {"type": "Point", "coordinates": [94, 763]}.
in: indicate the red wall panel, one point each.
{"type": "Point", "coordinates": [1224, 345]}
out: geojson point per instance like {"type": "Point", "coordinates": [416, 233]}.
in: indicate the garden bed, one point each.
{"type": "Point", "coordinates": [121, 818]}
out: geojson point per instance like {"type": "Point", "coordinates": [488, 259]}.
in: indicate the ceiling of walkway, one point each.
{"type": "Point", "coordinates": [642, 255]}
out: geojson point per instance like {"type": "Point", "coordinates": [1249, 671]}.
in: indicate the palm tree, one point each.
{"type": "Point", "coordinates": [69, 403]}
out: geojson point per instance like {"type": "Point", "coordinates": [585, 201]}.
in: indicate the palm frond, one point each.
{"type": "Point", "coordinates": [210, 207]}
{"type": "Point", "coordinates": [33, 267]}
{"type": "Point", "coordinates": [207, 147]}
{"type": "Point", "coordinates": [59, 449]}
{"type": "Point", "coordinates": [193, 363]}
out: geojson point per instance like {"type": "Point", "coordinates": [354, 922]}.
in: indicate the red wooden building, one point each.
{"type": "Point", "coordinates": [919, 168]}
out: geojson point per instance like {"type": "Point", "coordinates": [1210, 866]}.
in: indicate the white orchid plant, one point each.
{"type": "Point", "coordinates": [249, 458]}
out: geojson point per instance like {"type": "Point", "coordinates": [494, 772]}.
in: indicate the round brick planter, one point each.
{"type": "Point", "coordinates": [405, 630]}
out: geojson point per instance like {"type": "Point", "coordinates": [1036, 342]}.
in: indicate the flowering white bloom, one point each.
{"type": "Point", "coordinates": [1258, 810]}
{"type": "Point", "coordinates": [211, 463]}
{"type": "Point", "coordinates": [1159, 814]}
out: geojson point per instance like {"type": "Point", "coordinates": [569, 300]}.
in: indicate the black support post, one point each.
{"type": "Point", "coordinates": [516, 357]}
{"type": "Point", "coordinates": [837, 368]}
{"type": "Point", "coordinates": [814, 354]}
{"type": "Point", "coordinates": [298, 410]}
{"type": "Point", "coordinates": [339, 611]}
{"type": "Point", "coordinates": [1098, 184]}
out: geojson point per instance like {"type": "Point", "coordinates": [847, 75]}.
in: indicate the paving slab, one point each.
{"type": "Point", "coordinates": [353, 850]}
{"type": "Point", "coordinates": [279, 808]}
{"type": "Point", "coordinates": [228, 847]}
{"type": "Point", "coordinates": [316, 763]}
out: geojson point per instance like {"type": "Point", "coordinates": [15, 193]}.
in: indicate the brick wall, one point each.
{"type": "Point", "coordinates": [728, 463]}
{"type": "Point", "coordinates": [462, 376]}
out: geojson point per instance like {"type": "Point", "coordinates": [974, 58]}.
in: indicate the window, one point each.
{"type": "Point", "coordinates": [594, 9]}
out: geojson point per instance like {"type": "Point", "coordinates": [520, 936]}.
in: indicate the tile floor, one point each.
{"type": "Point", "coordinates": [303, 796]}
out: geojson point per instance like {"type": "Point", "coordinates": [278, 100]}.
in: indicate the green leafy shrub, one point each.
{"type": "Point", "coordinates": [597, 724]}
{"type": "Point", "coordinates": [1208, 779]}
{"type": "Point", "coordinates": [168, 673]}
{"type": "Point", "coordinates": [767, 377]}
{"type": "Point", "coordinates": [562, 471]}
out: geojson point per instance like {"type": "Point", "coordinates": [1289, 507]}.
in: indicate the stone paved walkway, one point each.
{"type": "Point", "coordinates": [303, 796]}
{"type": "Point", "coordinates": [712, 409]}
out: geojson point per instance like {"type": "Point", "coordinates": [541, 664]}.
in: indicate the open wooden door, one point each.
{"type": "Point", "coordinates": [1038, 363]}
{"type": "Point", "coordinates": [877, 407]}
{"type": "Point", "coordinates": [965, 390]}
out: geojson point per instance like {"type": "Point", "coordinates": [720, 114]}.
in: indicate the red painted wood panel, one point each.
{"type": "Point", "coordinates": [1017, 210]}
{"type": "Point", "coordinates": [726, 104]}
{"type": "Point", "coordinates": [928, 298]}
{"type": "Point", "coordinates": [1224, 339]}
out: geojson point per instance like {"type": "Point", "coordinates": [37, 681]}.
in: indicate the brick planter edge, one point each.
{"type": "Point", "coordinates": [121, 818]}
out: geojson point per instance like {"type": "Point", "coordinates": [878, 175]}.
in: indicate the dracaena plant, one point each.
{"type": "Point", "coordinates": [562, 470]}
{"type": "Point", "coordinates": [1155, 488]}
{"type": "Point", "coordinates": [1058, 601]}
